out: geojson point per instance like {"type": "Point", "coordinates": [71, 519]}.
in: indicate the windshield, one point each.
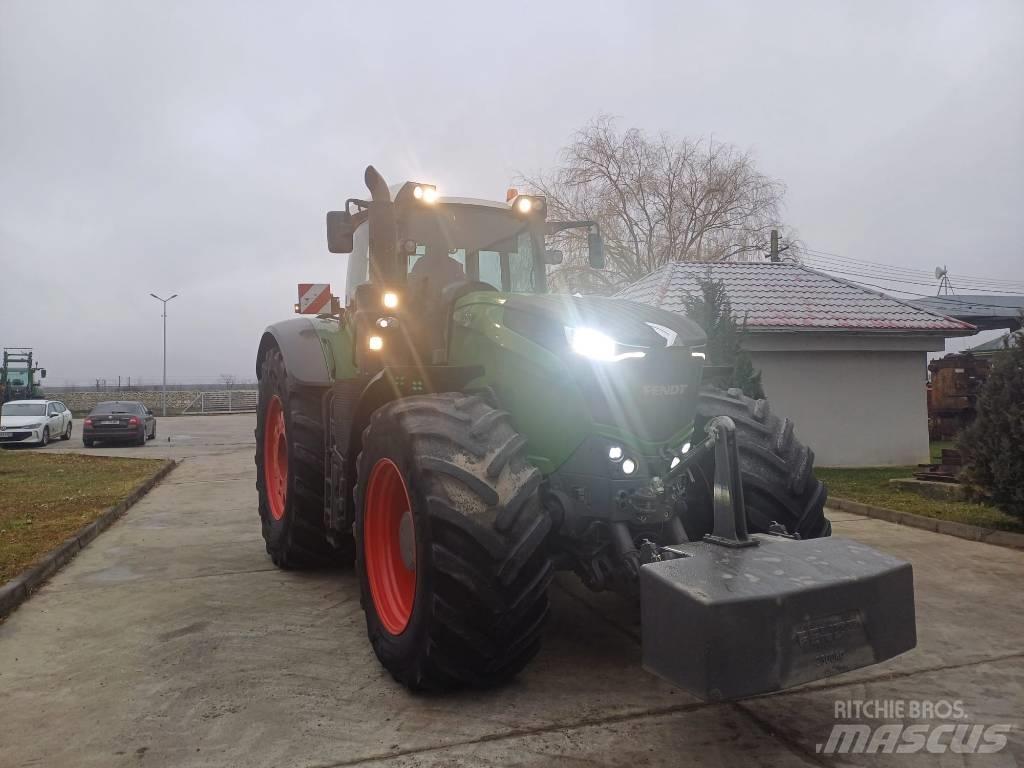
{"type": "Point", "coordinates": [17, 378]}
{"type": "Point", "coordinates": [464, 242]}
{"type": "Point", "coordinates": [115, 407]}
{"type": "Point", "coordinates": [24, 409]}
{"type": "Point", "coordinates": [490, 245]}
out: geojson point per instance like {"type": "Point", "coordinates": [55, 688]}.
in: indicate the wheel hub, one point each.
{"type": "Point", "coordinates": [407, 541]}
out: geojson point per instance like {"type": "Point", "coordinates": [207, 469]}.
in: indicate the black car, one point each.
{"type": "Point", "coordinates": [119, 420]}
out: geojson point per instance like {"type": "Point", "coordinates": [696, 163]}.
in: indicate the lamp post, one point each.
{"type": "Point", "coordinates": [164, 302]}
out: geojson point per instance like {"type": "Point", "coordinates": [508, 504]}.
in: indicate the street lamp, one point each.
{"type": "Point", "coordinates": [164, 301]}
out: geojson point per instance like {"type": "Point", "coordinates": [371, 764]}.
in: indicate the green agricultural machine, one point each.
{"type": "Point", "coordinates": [19, 377]}
{"type": "Point", "coordinates": [460, 434]}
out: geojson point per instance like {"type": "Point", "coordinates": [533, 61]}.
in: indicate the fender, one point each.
{"type": "Point", "coordinates": [305, 356]}
{"type": "Point", "coordinates": [354, 402]}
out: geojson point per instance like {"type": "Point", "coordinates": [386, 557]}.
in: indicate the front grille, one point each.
{"type": "Point", "coordinates": [652, 397]}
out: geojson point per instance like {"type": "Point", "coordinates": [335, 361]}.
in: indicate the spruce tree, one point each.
{"type": "Point", "coordinates": [713, 312]}
{"type": "Point", "coordinates": [993, 445]}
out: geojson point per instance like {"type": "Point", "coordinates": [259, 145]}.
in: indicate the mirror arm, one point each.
{"type": "Point", "coordinates": [554, 227]}
{"type": "Point", "coordinates": [362, 205]}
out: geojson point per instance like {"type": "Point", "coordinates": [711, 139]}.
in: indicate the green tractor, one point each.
{"type": "Point", "coordinates": [19, 377]}
{"type": "Point", "coordinates": [460, 434]}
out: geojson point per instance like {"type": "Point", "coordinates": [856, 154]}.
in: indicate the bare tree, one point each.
{"type": "Point", "coordinates": [656, 199]}
{"type": "Point", "coordinates": [227, 380]}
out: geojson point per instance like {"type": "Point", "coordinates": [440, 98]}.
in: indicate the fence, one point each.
{"type": "Point", "coordinates": [224, 401]}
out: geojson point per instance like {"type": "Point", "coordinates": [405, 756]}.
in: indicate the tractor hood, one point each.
{"type": "Point", "coordinates": [625, 321]}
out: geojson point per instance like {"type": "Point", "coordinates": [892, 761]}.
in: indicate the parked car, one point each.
{"type": "Point", "coordinates": [34, 422]}
{"type": "Point", "coordinates": [118, 420]}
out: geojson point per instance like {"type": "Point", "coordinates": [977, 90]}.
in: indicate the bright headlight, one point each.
{"type": "Point", "coordinates": [598, 346]}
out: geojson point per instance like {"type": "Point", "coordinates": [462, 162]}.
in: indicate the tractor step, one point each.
{"type": "Point", "coordinates": [725, 623]}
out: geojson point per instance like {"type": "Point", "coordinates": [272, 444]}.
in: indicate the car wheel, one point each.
{"type": "Point", "coordinates": [46, 437]}
{"type": "Point", "coordinates": [141, 439]}
{"type": "Point", "coordinates": [87, 443]}
{"type": "Point", "coordinates": [67, 433]}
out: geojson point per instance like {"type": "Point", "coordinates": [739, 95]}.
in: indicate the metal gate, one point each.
{"type": "Point", "coordinates": [224, 401]}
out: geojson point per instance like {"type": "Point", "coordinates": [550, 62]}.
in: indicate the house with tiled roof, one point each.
{"type": "Point", "coordinates": [846, 363]}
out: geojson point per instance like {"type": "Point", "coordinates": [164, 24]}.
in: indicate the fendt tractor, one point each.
{"type": "Point", "coordinates": [460, 433]}
{"type": "Point", "coordinates": [19, 377]}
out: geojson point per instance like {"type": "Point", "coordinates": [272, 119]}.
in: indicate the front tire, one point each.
{"type": "Point", "coordinates": [777, 470]}
{"type": "Point", "coordinates": [290, 470]}
{"type": "Point", "coordinates": [450, 543]}
{"type": "Point", "coordinates": [45, 441]}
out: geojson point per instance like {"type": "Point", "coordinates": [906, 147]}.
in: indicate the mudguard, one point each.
{"type": "Point", "coordinates": [305, 356]}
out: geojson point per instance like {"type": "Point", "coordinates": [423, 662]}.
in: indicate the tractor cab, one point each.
{"type": "Point", "coordinates": [414, 255]}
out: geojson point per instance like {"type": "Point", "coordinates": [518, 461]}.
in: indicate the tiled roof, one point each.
{"type": "Point", "coordinates": [790, 296]}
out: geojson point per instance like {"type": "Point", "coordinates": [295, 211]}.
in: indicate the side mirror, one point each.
{"type": "Point", "coordinates": [552, 256]}
{"type": "Point", "coordinates": [595, 250]}
{"type": "Point", "coordinates": [42, 373]}
{"type": "Point", "coordinates": [149, 412]}
{"type": "Point", "coordinates": [339, 232]}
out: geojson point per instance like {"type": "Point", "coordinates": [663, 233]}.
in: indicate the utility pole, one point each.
{"type": "Point", "coordinates": [164, 302]}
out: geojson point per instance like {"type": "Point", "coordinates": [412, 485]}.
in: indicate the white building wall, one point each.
{"type": "Point", "coordinates": [853, 408]}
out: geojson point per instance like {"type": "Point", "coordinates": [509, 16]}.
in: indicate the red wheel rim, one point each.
{"type": "Point", "coordinates": [387, 525]}
{"type": "Point", "coordinates": [275, 458]}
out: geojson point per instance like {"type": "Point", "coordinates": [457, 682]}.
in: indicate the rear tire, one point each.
{"type": "Point", "coordinates": [67, 433]}
{"type": "Point", "coordinates": [472, 610]}
{"type": "Point", "coordinates": [293, 526]}
{"type": "Point", "coordinates": [777, 470]}
{"type": "Point", "coordinates": [87, 443]}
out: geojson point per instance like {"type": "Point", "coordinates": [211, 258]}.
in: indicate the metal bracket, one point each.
{"type": "Point", "coordinates": [730, 510]}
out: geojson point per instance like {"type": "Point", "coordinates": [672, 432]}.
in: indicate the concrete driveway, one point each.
{"type": "Point", "coordinates": [172, 640]}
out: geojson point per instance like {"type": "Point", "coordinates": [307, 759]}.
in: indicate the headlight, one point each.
{"type": "Point", "coordinates": [31, 426]}
{"type": "Point", "coordinates": [598, 346]}
{"type": "Point", "coordinates": [425, 192]}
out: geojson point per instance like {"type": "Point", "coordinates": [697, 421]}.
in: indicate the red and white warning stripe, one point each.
{"type": "Point", "coordinates": [314, 298]}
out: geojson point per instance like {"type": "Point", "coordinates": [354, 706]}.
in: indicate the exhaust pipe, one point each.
{"type": "Point", "coordinates": [379, 191]}
{"type": "Point", "coordinates": [385, 266]}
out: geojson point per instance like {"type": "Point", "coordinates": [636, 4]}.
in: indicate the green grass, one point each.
{"type": "Point", "coordinates": [45, 498]}
{"type": "Point", "coordinates": [871, 486]}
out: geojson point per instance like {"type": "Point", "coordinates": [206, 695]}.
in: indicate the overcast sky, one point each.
{"type": "Point", "coordinates": [194, 147]}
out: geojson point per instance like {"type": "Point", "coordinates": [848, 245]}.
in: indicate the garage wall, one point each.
{"type": "Point", "coordinates": [854, 408]}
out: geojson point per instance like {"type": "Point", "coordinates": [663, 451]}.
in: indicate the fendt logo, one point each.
{"type": "Point", "coordinates": [664, 390]}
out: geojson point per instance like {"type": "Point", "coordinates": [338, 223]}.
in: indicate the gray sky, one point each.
{"type": "Point", "coordinates": [194, 147]}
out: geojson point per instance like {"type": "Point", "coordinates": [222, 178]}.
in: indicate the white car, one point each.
{"type": "Point", "coordinates": [34, 421]}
